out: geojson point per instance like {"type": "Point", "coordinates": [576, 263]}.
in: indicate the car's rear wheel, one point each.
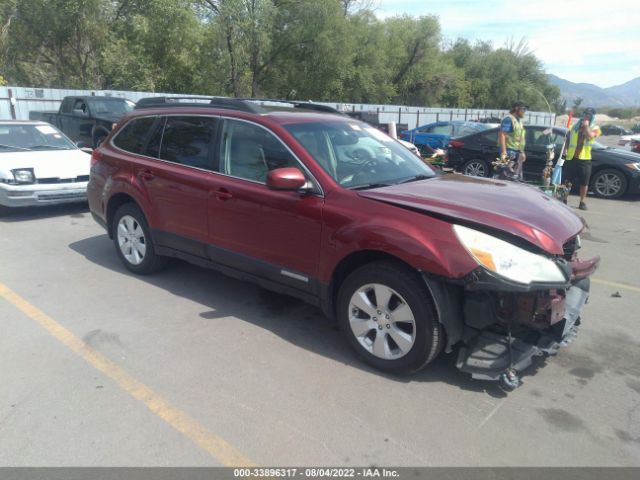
{"type": "Point", "coordinates": [609, 183]}
{"type": "Point", "coordinates": [133, 243]}
{"type": "Point", "coordinates": [388, 316]}
{"type": "Point", "coordinates": [476, 168]}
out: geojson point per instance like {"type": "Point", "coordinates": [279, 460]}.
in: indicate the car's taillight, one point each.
{"type": "Point", "coordinates": [456, 144]}
{"type": "Point", "coordinates": [96, 156]}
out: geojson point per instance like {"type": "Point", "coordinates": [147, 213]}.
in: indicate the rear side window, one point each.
{"type": "Point", "coordinates": [442, 130]}
{"type": "Point", "coordinates": [490, 137]}
{"type": "Point", "coordinates": [133, 137]}
{"type": "Point", "coordinates": [188, 141]}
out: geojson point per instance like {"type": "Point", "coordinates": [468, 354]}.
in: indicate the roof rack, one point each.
{"type": "Point", "coordinates": [219, 102]}
{"type": "Point", "coordinates": [251, 105]}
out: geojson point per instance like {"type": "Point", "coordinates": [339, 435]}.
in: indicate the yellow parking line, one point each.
{"type": "Point", "coordinates": [181, 421]}
{"type": "Point", "coordinates": [617, 285]}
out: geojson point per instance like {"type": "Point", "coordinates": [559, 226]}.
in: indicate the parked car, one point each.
{"type": "Point", "coordinates": [626, 140]}
{"type": "Point", "coordinates": [39, 165]}
{"type": "Point", "coordinates": [331, 210]}
{"type": "Point", "coordinates": [438, 134]}
{"type": "Point", "coordinates": [410, 146]}
{"type": "Point", "coordinates": [615, 172]}
{"type": "Point", "coordinates": [614, 130]}
{"type": "Point", "coordinates": [86, 119]}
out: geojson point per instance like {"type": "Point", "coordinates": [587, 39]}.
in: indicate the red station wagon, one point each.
{"type": "Point", "coordinates": [310, 203]}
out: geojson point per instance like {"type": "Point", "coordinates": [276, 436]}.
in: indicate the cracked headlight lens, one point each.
{"type": "Point", "coordinates": [507, 260]}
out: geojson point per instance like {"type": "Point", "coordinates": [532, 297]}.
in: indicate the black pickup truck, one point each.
{"type": "Point", "coordinates": [86, 119]}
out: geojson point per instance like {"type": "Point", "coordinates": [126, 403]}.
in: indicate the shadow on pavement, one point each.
{"type": "Point", "coordinates": [291, 319]}
{"type": "Point", "coordinates": [45, 211]}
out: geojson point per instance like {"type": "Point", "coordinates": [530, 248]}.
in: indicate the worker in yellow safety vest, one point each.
{"type": "Point", "coordinates": [581, 138]}
{"type": "Point", "coordinates": [511, 138]}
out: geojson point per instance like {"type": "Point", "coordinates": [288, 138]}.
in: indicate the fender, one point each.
{"type": "Point", "coordinates": [128, 184]}
{"type": "Point", "coordinates": [428, 246]}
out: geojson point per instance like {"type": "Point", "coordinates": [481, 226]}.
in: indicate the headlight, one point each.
{"type": "Point", "coordinates": [508, 260]}
{"type": "Point", "coordinates": [23, 175]}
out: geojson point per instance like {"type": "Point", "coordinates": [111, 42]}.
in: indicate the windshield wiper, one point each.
{"type": "Point", "coordinates": [13, 146]}
{"type": "Point", "coordinates": [415, 178]}
{"type": "Point", "coordinates": [52, 147]}
{"type": "Point", "coordinates": [370, 185]}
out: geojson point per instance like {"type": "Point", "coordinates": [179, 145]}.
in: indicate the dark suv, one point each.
{"type": "Point", "coordinates": [325, 208]}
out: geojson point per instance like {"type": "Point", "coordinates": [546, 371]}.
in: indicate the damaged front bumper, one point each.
{"type": "Point", "coordinates": [501, 325]}
{"type": "Point", "coordinates": [486, 355]}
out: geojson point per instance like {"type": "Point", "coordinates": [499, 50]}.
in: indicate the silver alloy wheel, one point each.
{"type": "Point", "coordinates": [382, 321]}
{"type": "Point", "coordinates": [475, 168]}
{"type": "Point", "coordinates": [131, 240]}
{"type": "Point", "coordinates": [608, 184]}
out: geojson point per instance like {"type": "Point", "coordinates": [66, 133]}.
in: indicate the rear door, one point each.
{"type": "Point", "coordinates": [272, 234]}
{"type": "Point", "coordinates": [537, 139]}
{"type": "Point", "coordinates": [178, 182]}
{"type": "Point", "coordinates": [175, 171]}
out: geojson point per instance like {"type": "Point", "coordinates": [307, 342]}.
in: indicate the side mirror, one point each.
{"type": "Point", "coordinates": [84, 147]}
{"type": "Point", "coordinates": [286, 179]}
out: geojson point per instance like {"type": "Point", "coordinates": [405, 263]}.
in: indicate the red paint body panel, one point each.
{"type": "Point", "coordinates": [312, 234]}
{"type": "Point", "coordinates": [518, 209]}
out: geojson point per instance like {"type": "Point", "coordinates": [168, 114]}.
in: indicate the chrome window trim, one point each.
{"type": "Point", "coordinates": [221, 117]}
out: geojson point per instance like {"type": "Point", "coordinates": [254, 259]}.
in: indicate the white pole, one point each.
{"type": "Point", "coordinates": [392, 130]}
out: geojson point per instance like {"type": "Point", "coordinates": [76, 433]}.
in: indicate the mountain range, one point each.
{"type": "Point", "coordinates": [625, 95]}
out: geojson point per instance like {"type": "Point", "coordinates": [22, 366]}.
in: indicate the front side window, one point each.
{"type": "Point", "coordinates": [187, 140]}
{"type": "Point", "coordinates": [133, 137]}
{"type": "Point", "coordinates": [250, 152]}
{"type": "Point", "coordinates": [357, 155]}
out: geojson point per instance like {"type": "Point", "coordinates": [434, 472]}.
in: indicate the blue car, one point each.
{"type": "Point", "coordinates": [438, 134]}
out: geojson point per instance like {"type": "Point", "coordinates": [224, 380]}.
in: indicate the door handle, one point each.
{"type": "Point", "coordinates": [146, 175]}
{"type": "Point", "coordinates": [223, 194]}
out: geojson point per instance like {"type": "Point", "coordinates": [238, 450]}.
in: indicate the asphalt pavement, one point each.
{"type": "Point", "coordinates": [99, 367]}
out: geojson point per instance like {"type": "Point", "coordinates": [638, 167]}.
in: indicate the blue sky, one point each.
{"type": "Point", "coordinates": [580, 40]}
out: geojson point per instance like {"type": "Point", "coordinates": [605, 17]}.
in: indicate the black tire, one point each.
{"type": "Point", "coordinates": [150, 262]}
{"type": "Point", "coordinates": [429, 337]}
{"type": "Point", "coordinates": [608, 183]}
{"type": "Point", "coordinates": [482, 168]}
{"type": "Point", "coordinates": [4, 211]}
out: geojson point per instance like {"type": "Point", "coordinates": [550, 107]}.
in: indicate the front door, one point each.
{"type": "Point", "coordinates": [272, 234]}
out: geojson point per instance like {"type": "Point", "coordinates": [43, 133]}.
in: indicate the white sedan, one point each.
{"type": "Point", "coordinates": [39, 165]}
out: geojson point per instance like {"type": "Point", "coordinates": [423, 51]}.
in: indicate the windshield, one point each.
{"type": "Point", "coordinates": [357, 155]}
{"type": "Point", "coordinates": [111, 107]}
{"type": "Point", "coordinates": [21, 137]}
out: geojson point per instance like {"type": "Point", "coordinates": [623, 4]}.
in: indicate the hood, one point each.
{"type": "Point", "coordinates": [617, 154]}
{"type": "Point", "coordinates": [517, 209]}
{"type": "Point", "coordinates": [46, 163]}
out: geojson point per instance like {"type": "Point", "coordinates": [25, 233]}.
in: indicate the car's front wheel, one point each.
{"type": "Point", "coordinates": [609, 183]}
{"type": "Point", "coordinates": [389, 317]}
{"type": "Point", "coordinates": [133, 243]}
{"type": "Point", "coordinates": [476, 168]}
